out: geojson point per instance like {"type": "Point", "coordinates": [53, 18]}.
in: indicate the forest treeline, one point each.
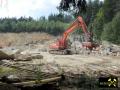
{"type": "Point", "coordinates": [106, 24]}
{"type": "Point", "coordinates": [55, 24]}
{"type": "Point", "coordinates": [102, 17]}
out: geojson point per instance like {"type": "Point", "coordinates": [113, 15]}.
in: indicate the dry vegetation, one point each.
{"type": "Point", "coordinates": [11, 39]}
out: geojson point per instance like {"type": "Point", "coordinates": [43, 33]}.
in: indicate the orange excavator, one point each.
{"type": "Point", "coordinates": [61, 46]}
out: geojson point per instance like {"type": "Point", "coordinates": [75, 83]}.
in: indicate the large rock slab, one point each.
{"type": "Point", "coordinates": [4, 55]}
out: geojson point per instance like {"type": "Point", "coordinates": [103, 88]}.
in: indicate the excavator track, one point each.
{"type": "Point", "coordinates": [58, 52]}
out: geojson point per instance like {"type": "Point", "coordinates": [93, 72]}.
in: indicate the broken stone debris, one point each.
{"type": "Point", "coordinates": [18, 55]}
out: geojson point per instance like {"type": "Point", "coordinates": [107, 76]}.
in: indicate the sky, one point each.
{"type": "Point", "coordinates": [33, 8]}
{"type": "Point", "coordinates": [26, 8]}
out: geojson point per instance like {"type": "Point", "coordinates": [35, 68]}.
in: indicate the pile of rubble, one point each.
{"type": "Point", "coordinates": [104, 49]}
{"type": "Point", "coordinates": [109, 49]}
{"type": "Point", "coordinates": [16, 54]}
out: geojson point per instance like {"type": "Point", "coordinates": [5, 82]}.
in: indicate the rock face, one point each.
{"type": "Point", "coordinates": [80, 66]}
{"type": "Point", "coordinates": [10, 79]}
{"type": "Point", "coordinates": [21, 55]}
{"type": "Point", "coordinates": [4, 55]}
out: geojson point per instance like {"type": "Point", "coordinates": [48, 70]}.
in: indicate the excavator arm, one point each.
{"type": "Point", "coordinates": [78, 23]}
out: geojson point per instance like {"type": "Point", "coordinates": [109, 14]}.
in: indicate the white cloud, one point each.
{"type": "Point", "coordinates": [34, 8]}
